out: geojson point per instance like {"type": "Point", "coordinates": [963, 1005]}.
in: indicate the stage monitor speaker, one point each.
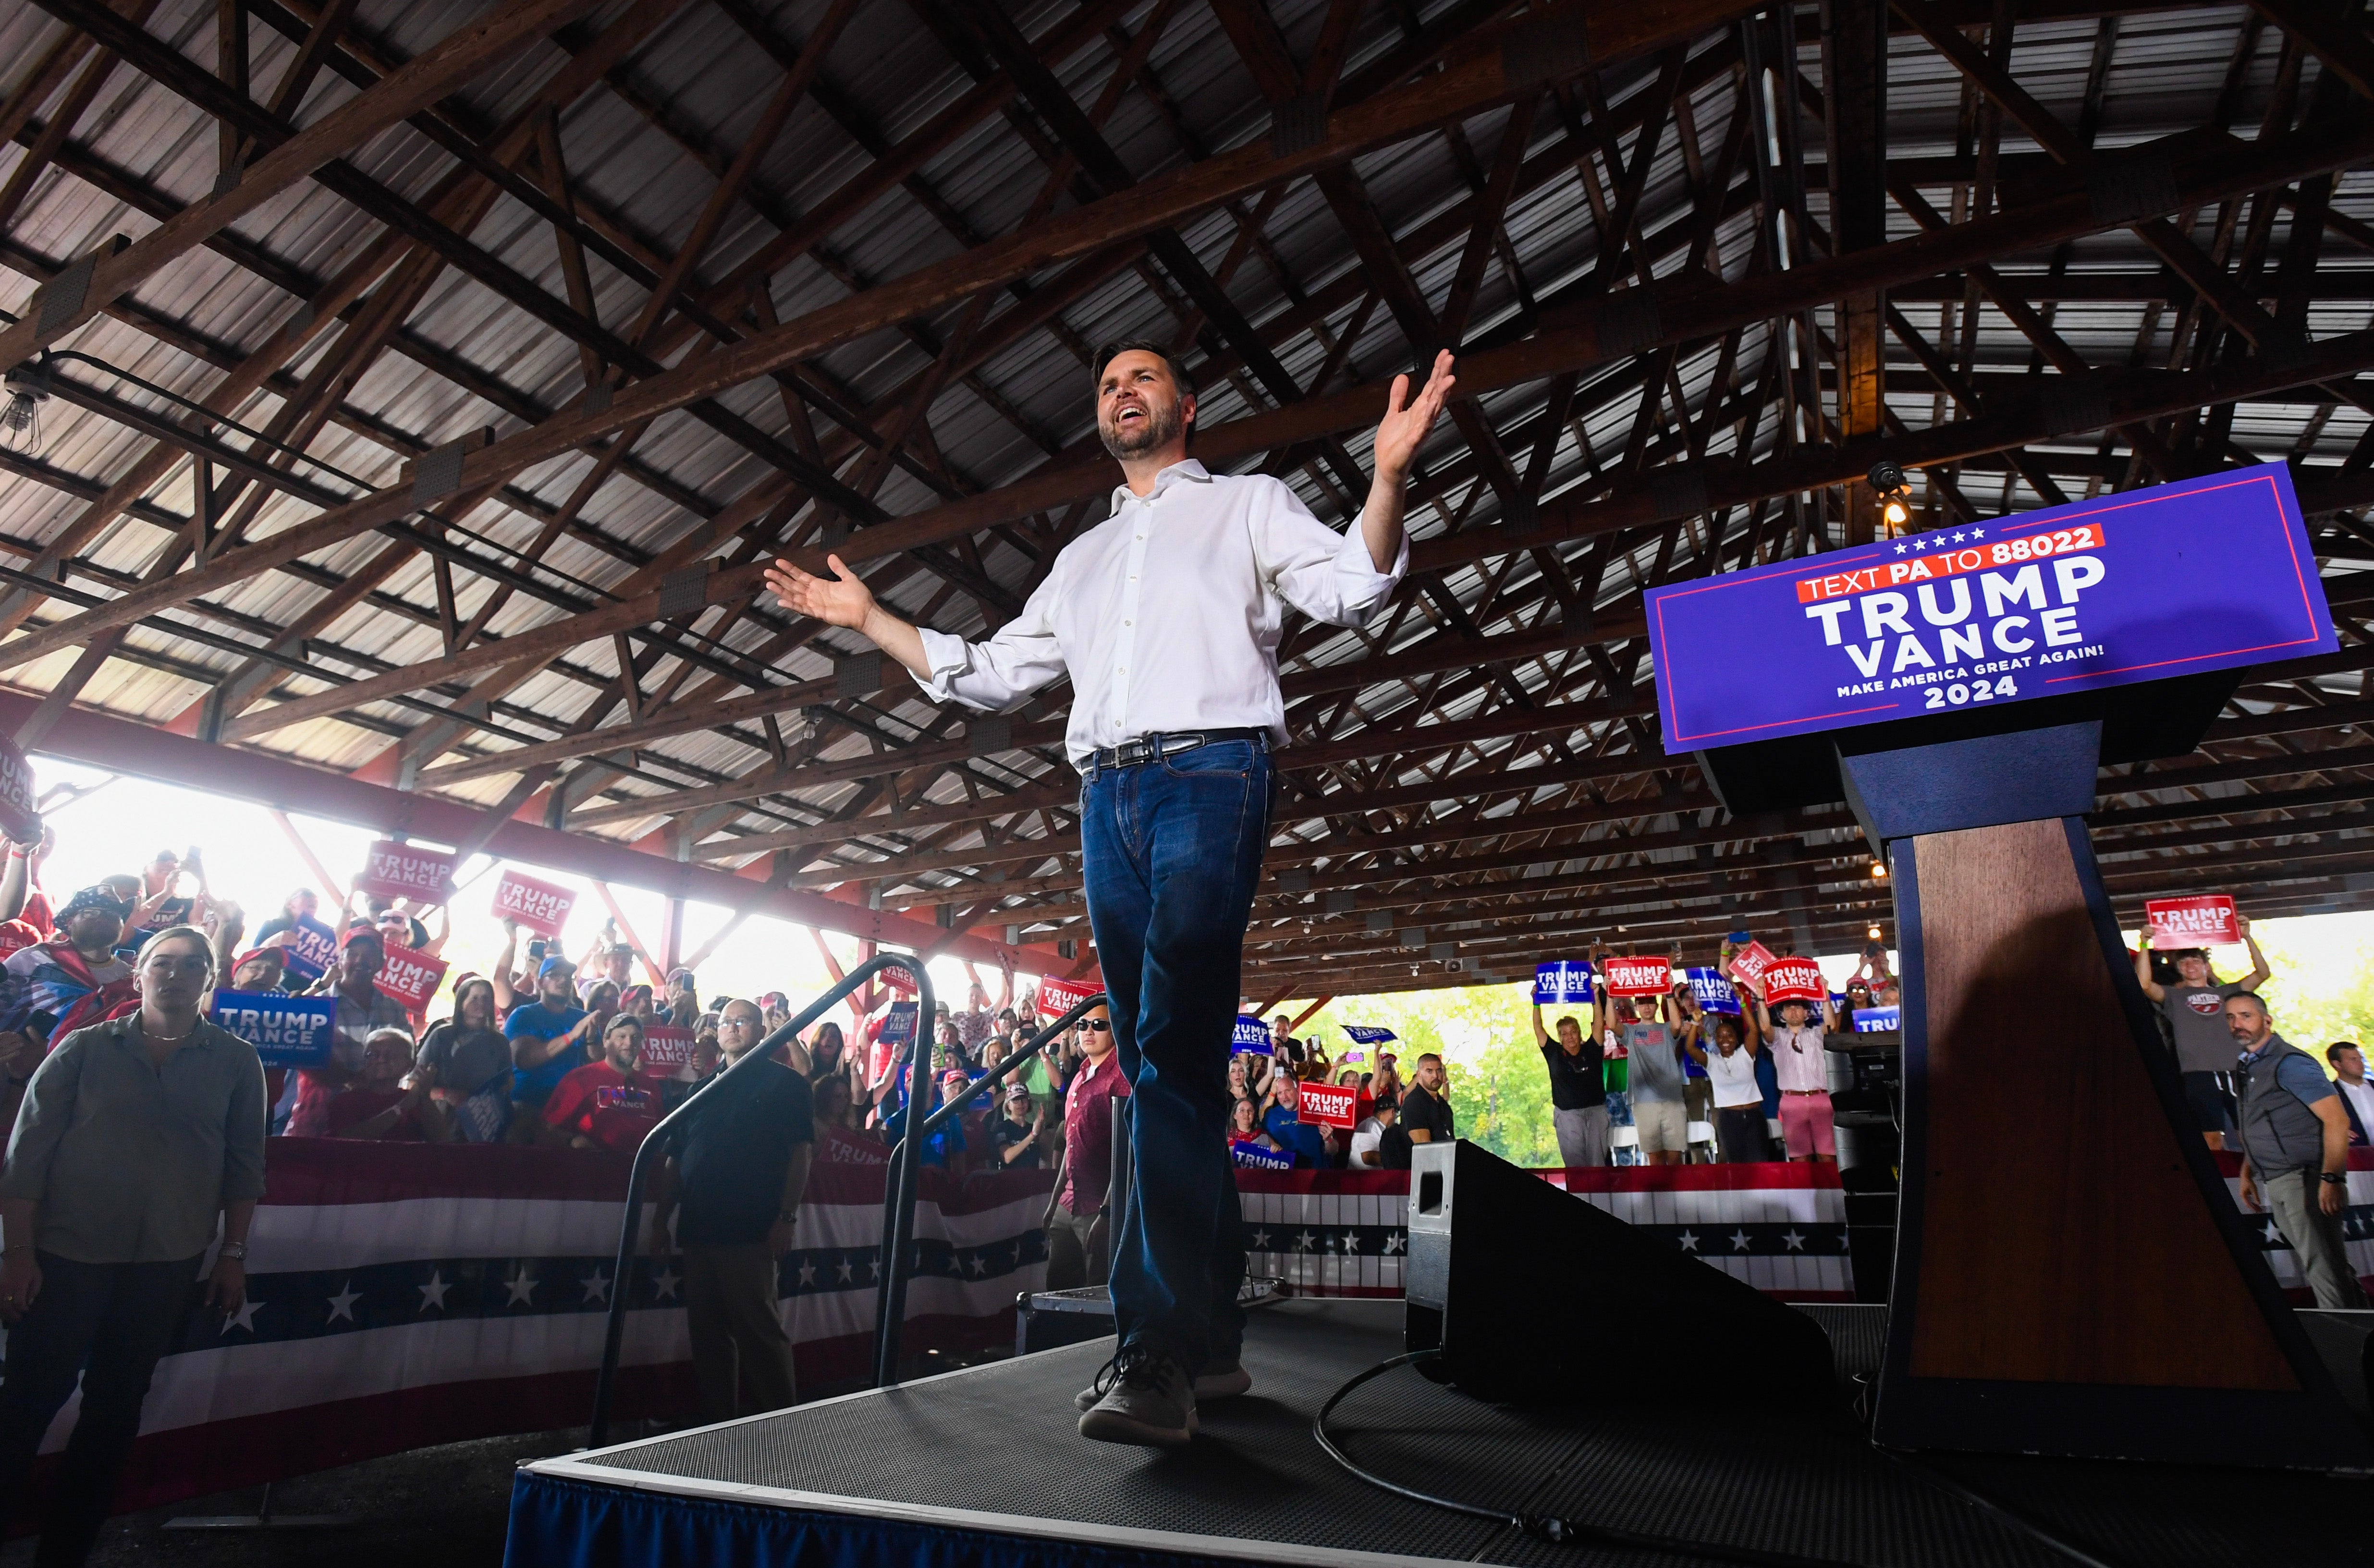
{"type": "Point", "coordinates": [1531, 1294]}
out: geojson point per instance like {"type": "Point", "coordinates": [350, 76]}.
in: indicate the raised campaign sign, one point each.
{"type": "Point", "coordinates": [898, 1023]}
{"type": "Point", "coordinates": [1566, 979]}
{"type": "Point", "coordinates": [539, 906]}
{"type": "Point", "coordinates": [1640, 976]}
{"type": "Point", "coordinates": [406, 870]}
{"type": "Point", "coordinates": [666, 1044]}
{"type": "Point", "coordinates": [1369, 1035]}
{"type": "Point", "coordinates": [1252, 1035]}
{"type": "Point", "coordinates": [1058, 996]}
{"type": "Point", "coordinates": [2204, 920]}
{"type": "Point", "coordinates": [409, 977]}
{"type": "Point", "coordinates": [1794, 979]}
{"type": "Point", "coordinates": [1328, 1105]}
{"type": "Point", "coordinates": [1747, 966]}
{"type": "Point", "coordinates": [2205, 573]}
{"type": "Point", "coordinates": [310, 950]}
{"type": "Point", "coordinates": [20, 810]}
{"type": "Point", "coordinates": [1714, 993]}
{"type": "Point", "coordinates": [287, 1031]}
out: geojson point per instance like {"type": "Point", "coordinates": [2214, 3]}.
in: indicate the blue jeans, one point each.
{"type": "Point", "coordinates": [1170, 852]}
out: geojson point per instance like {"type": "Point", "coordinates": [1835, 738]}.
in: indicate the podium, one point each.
{"type": "Point", "coordinates": [2072, 1276]}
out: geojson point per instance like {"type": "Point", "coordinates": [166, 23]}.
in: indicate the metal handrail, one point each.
{"type": "Point", "coordinates": [654, 1143]}
{"type": "Point", "coordinates": [891, 1306]}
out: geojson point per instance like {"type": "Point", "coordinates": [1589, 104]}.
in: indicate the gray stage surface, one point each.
{"type": "Point", "coordinates": [991, 1452]}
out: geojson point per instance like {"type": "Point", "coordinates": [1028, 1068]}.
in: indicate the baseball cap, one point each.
{"type": "Point", "coordinates": [554, 964]}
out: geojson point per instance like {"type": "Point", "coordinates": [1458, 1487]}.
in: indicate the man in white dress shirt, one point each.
{"type": "Point", "coordinates": [1167, 617]}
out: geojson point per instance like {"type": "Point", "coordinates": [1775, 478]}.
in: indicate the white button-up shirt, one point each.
{"type": "Point", "coordinates": [1168, 614]}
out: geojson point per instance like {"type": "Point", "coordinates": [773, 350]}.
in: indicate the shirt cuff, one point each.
{"type": "Point", "coordinates": [948, 658]}
{"type": "Point", "coordinates": [1356, 575]}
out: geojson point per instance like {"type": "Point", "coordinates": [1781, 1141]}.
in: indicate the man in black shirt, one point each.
{"type": "Point", "coordinates": [736, 1175]}
{"type": "Point", "coordinates": [1425, 1116]}
{"type": "Point", "coordinates": [1578, 1091]}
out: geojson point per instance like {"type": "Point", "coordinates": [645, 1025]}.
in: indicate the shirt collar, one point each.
{"type": "Point", "coordinates": [1188, 469]}
{"type": "Point", "coordinates": [2252, 1058]}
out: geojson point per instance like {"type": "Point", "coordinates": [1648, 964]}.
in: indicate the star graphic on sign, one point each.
{"type": "Point", "coordinates": [1977, 533]}
{"type": "Point", "coordinates": [1796, 1243]}
{"type": "Point", "coordinates": [433, 1292]}
{"type": "Point", "coordinates": [1305, 1242]}
{"type": "Point", "coordinates": [1902, 548]}
{"type": "Point", "coordinates": [1260, 1241]}
{"type": "Point", "coordinates": [2275, 1237]}
{"type": "Point", "coordinates": [522, 1287]}
{"type": "Point", "coordinates": [1689, 1241]}
{"type": "Point", "coordinates": [1396, 1241]}
{"type": "Point", "coordinates": [847, 1271]}
{"type": "Point", "coordinates": [245, 1317]}
{"type": "Point", "coordinates": [663, 1284]}
{"type": "Point", "coordinates": [980, 1266]}
{"type": "Point", "coordinates": [1957, 539]}
{"type": "Point", "coordinates": [595, 1289]}
{"type": "Point", "coordinates": [342, 1304]}
{"type": "Point", "coordinates": [1739, 1241]}
{"type": "Point", "coordinates": [807, 1274]}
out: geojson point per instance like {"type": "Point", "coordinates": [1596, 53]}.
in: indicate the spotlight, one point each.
{"type": "Point", "coordinates": [1879, 870]}
{"type": "Point", "coordinates": [20, 417]}
{"type": "Point", "coordinates": [1874, 933]}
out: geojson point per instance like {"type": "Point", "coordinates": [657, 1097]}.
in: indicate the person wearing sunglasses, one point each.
{"type": "Point", "coordinates": [1077, 1249]}
{"type": "Point", "coordinates": [1167, 618]}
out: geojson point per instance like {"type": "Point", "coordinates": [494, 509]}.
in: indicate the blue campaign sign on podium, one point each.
{"type": "Point", "coordinates": [1960, 692]}
{"type": "Point", "coordinates": [2207, 574]}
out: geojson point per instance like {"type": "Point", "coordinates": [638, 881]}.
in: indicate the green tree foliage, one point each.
{"type": "Point", "coordinates": [2322, 985]}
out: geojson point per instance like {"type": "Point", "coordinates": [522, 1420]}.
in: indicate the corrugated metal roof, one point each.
{"type": "Point", "coordinates": [641, 157]}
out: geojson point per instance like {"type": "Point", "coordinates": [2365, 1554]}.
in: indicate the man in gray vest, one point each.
{"type": "Point", "coordinates": [2295, 1136]}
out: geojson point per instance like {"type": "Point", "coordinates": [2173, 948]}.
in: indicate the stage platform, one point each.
{"type": "Point", "coordinates": [983, 1466]}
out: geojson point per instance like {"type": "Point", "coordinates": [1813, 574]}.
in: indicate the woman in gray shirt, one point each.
{"type": "Point", "coordinates": [133, 1136]}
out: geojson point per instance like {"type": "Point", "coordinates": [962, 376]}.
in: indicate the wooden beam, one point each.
{"type": "Point", "coordinates": [1477, 80]}
{"type": "Point", "coordinates": [459, 58]}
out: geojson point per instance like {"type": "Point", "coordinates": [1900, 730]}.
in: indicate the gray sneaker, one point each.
{"type": "Point", "coordinates": [1148, 1401]}
{"type": "Point", "coordinates": [1216, 1381]}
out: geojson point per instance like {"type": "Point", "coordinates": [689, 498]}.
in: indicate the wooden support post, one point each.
{"type": "Point", "coordinates": [1854, 60]}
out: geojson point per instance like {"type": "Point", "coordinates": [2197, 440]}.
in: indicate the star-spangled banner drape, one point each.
{"type": "Point", "coordinates": [401, 1296]}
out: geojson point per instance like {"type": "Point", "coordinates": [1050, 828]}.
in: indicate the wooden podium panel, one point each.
{"type": "Point", "coordinates": [2072, 1276]}
{"type": "Point", "coordinates": [2085, 1253]}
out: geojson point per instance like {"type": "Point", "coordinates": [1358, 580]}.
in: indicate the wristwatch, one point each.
{"type": "Point", "coordinates": [2337, 1178]}
{"type": "Point", "coordinates": [236, 1250]}
{"type": "Point", "coordinates": [788, 1219]}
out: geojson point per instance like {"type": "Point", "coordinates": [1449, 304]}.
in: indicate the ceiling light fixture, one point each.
{"type": "Point", "coordinates": [20, 416]}
{"type": "Point", "coordinates": [1888, 482]}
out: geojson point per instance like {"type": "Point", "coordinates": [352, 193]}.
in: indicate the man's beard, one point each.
{"type": "Point", "coordinates": [1162, 427]}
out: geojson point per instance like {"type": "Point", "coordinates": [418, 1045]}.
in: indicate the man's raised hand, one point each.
{"type": "Point", "coordinates": [841, 600]}
{"type": "Point", "coordinates": [1406, 422]}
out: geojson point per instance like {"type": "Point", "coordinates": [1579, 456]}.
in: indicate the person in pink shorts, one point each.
{"type": "Point", "coordinates": [1794, 1033]}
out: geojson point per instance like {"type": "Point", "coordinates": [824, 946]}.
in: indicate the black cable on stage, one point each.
{"type": "Point", "coordinates": [1559, 1529]}
{"type": "Point", "coordinates": [1555, 1529]}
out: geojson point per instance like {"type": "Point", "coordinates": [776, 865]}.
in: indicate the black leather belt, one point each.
{"type": "Point", "coordinates": [1154, 748]}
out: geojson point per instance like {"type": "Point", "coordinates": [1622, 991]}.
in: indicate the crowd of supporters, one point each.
{"type": "Point", "coordinates": [543, 1049]}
